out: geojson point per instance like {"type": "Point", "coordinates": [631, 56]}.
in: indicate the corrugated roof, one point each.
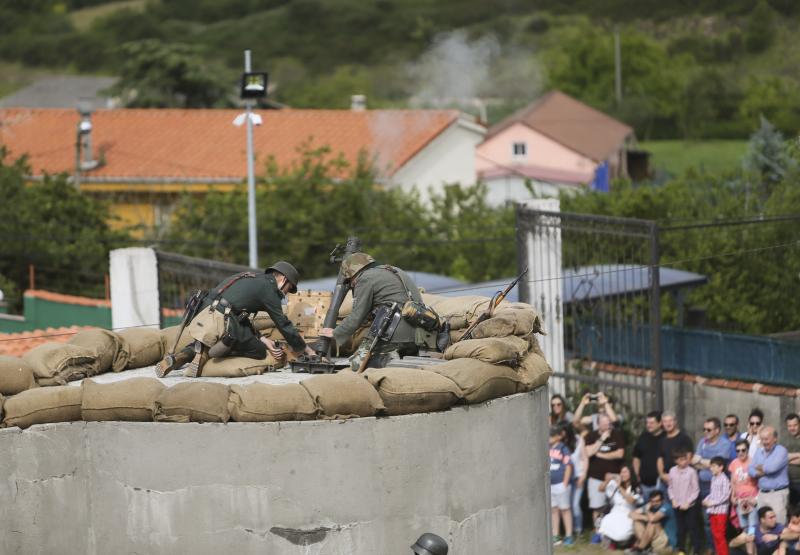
{"type": "Point", "coordinates": [571, 123]}
{"type": "Point", "coordinates": [17, 344]}
{"type": "Point", "coordinates": [196, 144]}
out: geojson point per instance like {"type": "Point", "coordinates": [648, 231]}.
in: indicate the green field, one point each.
{"type": "Point", "coordinates": [675, 157]}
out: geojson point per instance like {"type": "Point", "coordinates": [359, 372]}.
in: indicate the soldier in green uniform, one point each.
{"type": "Point", "coordinates": [374, 285]}
{"type": "Point", "coordinates": [222, 326]}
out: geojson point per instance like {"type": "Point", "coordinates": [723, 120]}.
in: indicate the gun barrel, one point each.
{"type": "Point", "coordinates": [339, 293]}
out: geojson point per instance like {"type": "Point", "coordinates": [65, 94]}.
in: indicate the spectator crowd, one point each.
{"type": "Point", "coordinates": [731, 492]}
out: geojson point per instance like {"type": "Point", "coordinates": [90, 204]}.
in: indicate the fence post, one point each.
{"type": "Point", "coordinates": [539, 248]}
{"type": "Point", "coordinates": [655, 317]}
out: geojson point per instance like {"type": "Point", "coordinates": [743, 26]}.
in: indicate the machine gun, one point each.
{"type": "Point", "coordinates": [320, 364]}
{"type": "Point", "coordinates": [496, 299]}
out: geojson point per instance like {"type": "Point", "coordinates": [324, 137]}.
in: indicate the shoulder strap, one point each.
{"type": "Point", "coordinates": [400, 277]}
{"type": "Point", "coordinates": [233, 280]}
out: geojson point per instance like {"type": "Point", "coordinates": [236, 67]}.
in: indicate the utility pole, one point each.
{"type": "Point", "coordinates": [251, 179]}
{"type": "Point", "coordinates": [617, 67]}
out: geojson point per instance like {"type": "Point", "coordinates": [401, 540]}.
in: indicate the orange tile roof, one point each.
{"type": "Point", "coordinates": [572, 123]}
{"type": "Point", "coordinates": [17, 344]}
{"type": "Point", "coordinates": [195, 144]}
{"type": "Point", "coordinates": [66, 299]}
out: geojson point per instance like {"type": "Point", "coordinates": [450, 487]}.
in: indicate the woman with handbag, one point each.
{"type": "Point", "coordinates": [623, 496]}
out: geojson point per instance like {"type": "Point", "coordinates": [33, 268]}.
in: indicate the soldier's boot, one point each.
{"type": "Point", "coordinates": [195, 368]}
{"type": "Point", "coordinates": [219, 349]}
{"type": "Point", "coordinates": [174, 362]}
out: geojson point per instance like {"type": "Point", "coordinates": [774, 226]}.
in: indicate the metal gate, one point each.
{"type": "Point", "coordinates": [595, 281]}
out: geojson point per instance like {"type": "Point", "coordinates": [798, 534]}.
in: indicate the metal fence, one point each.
{"type": "Point", "coordinates": [590, 273]}
{"type": "Point", "coordinates": [706, 353]}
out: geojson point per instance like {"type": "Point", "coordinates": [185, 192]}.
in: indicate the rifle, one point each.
{"type": "Point", "coordinates": [496, 299]}
{"type": "Point", "coordinates": [384, 325]}
{"type": "Point", "coordinates": [192, 308]}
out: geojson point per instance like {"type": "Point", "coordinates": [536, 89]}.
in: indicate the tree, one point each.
{"type": "Point", "coordinates": [767, 160]}
{"type": "Point", "coordinates": [760, 28]}
{"type": "Point", "coordinates": [321, 200]}
{"type": "Point", "coordinates": [168, 75]}
{"type": "Point", "coordinates": [54, 227]}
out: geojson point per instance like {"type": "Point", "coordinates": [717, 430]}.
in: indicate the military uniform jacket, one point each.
{"type": "Point", "coordinates": [376, 286]}
{"type": "Point", "coordinates": [260, 293]}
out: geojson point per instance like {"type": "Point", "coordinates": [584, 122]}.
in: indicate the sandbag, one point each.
{"type": "Point", "coordinates": [237, 367]}
{"type": "Point", "coordinates": [193, 402]}
{"type": "Point", "coordinates": [144, 346]}
{"type": "Point", "coordinates": [127, 400]}
{"type": "Point", "coordinates": [106, 346]}
{"type": "Point", "coordinates": [58, 363]}
{"type": "Point", "coordinates": [343, 395]}
{"type": "Point", "coordinates": [509, 321]}
{"type": "Point", "coordinates": [534, 371]}
{"type": "Point", "coordinates": [478, 380]}
{"type": "Point", "coordinates": [347, 305]}
{"type": "Point", "coordinates": [16, 375]}
{"type": "Point", "coordinates": [495, 350]}
{"type": "Point", "coordinates": [262, 321]}
{"type": "Point", "coordinates": [168, 336]}
{"type": "Point", "coordinates": [411, 390]}
{"type": "Point", "coordinates": [42, 406]}
{"type": "Point", "coordinates": [260, 402]}
{"type": "Point", "coordinates": [467, 307]}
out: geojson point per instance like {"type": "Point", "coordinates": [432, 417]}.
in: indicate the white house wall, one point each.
{"type": "Point", "coordinates": [448, 159]}
{"type": "Point", "coordinates": [511, 189]}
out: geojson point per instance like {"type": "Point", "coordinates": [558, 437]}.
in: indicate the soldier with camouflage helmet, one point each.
{"type": "Point", "coordinates": [222, 326]}
{"type": "Point", "coordinates": [375, 284]}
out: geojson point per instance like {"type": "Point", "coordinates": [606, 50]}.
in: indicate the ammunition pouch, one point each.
{"type": "Point", "coordinates": [443, 338]}
{"type": "Point", "coordinates": [420, 315]}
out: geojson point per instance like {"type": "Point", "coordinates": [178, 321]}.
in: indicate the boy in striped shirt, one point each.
{"type": "Point", "coordinates": [717, 504]}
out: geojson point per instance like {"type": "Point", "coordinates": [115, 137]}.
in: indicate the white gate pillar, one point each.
{"type": "Point", "coordinates": [134, 288]}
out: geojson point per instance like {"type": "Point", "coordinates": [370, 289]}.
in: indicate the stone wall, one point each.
{"type": "Point", "coordinates": [476, 475]}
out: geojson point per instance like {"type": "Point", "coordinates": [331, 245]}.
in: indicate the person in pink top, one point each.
{"type": "Point", "coordinates": [683, 491]}
{"type": "Point", "coordinates": [745, 490]}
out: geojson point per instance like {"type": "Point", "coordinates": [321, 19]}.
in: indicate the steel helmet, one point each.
{"type": "Point", "coordinates": [430, 544]}
{"type": "Point", "coordinates": [289, 271]}
{"type": "Point", "coordinates": [355, 262]}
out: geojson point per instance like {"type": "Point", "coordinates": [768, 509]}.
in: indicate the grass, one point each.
{"type": "Point", "coordinates": [83, 19]}
{"type": "Point", "coordinates": [14, 76]}
{"type": "Point", "coordinates": [676, 156]}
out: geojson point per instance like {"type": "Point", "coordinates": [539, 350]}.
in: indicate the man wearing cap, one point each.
{"type": "Point", "coordinates": [375, 284]}
{"type": "Point", "coordinates": [222, 326]}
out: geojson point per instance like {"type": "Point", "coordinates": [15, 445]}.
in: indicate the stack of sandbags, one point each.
{"type": "Point", "coordinates": [261, 402]}
{"type": "Point", "coordinates": [127, 400]}
{"type": "Point", "coordinates": [43, 406]}
{"type": "Point", "coordinates": [144, 346]}
{"type": "Point", "coordinates": [108, 348]}
{"type": "Point", "coordinates": [503, 356]}
{"type": "Point", "coordinates": [16, 375]}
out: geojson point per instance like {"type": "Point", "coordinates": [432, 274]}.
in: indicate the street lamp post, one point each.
{"type": "Point", "coordinates": [254, 85]}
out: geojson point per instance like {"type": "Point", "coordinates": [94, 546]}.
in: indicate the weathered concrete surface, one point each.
{"type": "Point", "coordinates": [477, 475]}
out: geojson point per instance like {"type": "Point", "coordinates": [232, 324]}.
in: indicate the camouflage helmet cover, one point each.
{"type": "Point", "coordinates": [354, 263]}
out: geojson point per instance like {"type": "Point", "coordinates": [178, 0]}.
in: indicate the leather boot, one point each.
{"type": "Point", "coordinates": [194, 369]}
{"type": "Point", "coordinates": [174, 362]}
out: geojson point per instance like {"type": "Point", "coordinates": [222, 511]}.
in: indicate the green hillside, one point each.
{"type": "Point", "coordinates": [699, 70]}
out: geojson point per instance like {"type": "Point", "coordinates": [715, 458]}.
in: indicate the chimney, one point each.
{"type": "Point", "coordinates": [358, 102]}
{"type": "Point", "coordinates": [84, 156]}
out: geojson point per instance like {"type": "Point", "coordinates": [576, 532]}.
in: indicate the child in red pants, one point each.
{"type": "Point", "coordinates": [717, 504]}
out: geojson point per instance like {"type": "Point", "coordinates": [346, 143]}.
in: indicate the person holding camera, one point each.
{"type": "Point", "coordinates": [605, 449]}
{"type": "Point", "coordinates": [604, 406]}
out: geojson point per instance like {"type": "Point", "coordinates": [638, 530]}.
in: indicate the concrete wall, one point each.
{"type": "Point", "coordinates": [477, 475]}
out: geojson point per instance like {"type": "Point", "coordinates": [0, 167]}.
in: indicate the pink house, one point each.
{"type": "Point", "coordinates": [555, 144]}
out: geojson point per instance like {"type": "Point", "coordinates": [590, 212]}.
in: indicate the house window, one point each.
{"type": "Point", "coordinates": [520, 151]}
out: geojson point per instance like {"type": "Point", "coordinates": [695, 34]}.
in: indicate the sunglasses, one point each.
{"type": "Point", "coordinates": [742, 450]}
{"type": "Point", "coordinates": [730, 425]}
{"type": "Point", "coordinates": [755, 422]}
{"type": "Point", "coordinates": [708, 429]}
